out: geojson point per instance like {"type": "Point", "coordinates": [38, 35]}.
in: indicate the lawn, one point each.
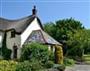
{"type": "Point", "coordinates": [87, 58]}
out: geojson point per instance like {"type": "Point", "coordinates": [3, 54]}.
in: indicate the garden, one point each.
{"type": "Point", "coordinates": [36, 57]}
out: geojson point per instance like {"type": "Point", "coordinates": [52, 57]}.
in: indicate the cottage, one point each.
{"type": "Point", "coordinates": [22, 31]}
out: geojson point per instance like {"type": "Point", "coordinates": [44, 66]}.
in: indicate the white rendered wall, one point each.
{"type": "Point", "coordinates": [33, 26]}
{"type": "Point", "coordinates": [49, 47]}
{"type": "Point", "coordinates": [1, 38]}
{"type": "Point", "coordinates": [11, 41]}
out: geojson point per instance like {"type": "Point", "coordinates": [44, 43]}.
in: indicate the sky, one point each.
{"type": "Point", "coordinates": [47, 10]}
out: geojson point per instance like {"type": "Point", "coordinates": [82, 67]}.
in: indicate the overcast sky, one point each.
{"type": "Point", "coordinates": [48, 10]}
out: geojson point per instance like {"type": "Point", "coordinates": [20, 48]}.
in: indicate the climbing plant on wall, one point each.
{"type": "Point", "coordinates": [6, 53]}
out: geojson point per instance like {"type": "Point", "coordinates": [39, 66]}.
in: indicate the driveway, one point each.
{"type": "Point", "coordinates": [78, 68]}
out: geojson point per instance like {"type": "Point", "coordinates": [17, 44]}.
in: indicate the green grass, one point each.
{"type": "Point", "coordinates": [87, 58]}
{"type": "Point", "coordinates": [87, 62]}
{"type": "Point", "coordinates": [87, 55]}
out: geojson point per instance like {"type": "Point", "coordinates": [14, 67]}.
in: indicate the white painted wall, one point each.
{"type": "Point", "coordinates": [11, 41]}
{"type": "Point", "coordinates": [0, 41]}
{"type": "Point", "coordinates": [20, 39]}
{"type": "Point", "coordinates": [49, 47]}
{"type": "Point", "coordinates": [1, 37]}
{"type": "Point", "coordinates": [33, 26]}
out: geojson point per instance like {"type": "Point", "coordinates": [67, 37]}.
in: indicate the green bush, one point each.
{"type": "Point", "coordinates": [6, 53]}
{"type": "Point", "coordinates": [59, 67]}
{"type": "Point", "coordinates": [49, 64]}
{"type": "Point", "coordinates": [20, 66]}
{"type": "Point", "coordinates": [58, 55]}
{"type": "Point", "coordinates": [87, 48]}
{"type": "Point", "coordinates": [68, 61]}
{"type": "Point", "coordinates": [7, 65]}
{"type": "Point", "coordinates": [35, 51]}
{"type": "Point", "coordinates": [51, 56]}
{"type": "Point", "coordinates": [29, 66]}
{"type": "Point", "coordinates": [75, 52]}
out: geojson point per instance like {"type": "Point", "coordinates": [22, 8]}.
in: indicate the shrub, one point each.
{"type": "Point", "coordinates": [7, 65]}
{"type": "Point", "coordinates": [68, 61]}
{"type": "Point", "coordinates": [6, 53]}
{"type": "Point", "coordinates": [60, 67]}
{"type": "Point", "coordinates": [29, 66]}
{"type": "Point", "coordinates": [87, 48]}
{"type": "Point", "coordinates": [49, 64]}
{"type": "Point", "coordinates": [51, 56]}
{"type": "Point", "coordinates": [20, 66]}
{"type": "Point", "coordinates": [58, 55]}
{"type": "Point", "coordinates": [75, 52]}
{"type": "Point", "coordinates": [35, 51]}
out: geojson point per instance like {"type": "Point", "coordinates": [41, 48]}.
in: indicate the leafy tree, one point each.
{"type": "Point", "coordinates": [65, 26]}
{"type": "Point", "coordinates": [61, 28]}
{"type": "Point", "coordinates": [87, 43]}
{"type": "Point", "coordinates": [50, 28]}
{"type": "Point", "coordinates": [69, 32]}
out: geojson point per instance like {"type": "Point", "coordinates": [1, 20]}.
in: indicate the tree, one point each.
{"type": "Point", "coordinates": [69, 32]}
{"type": "Point", "coordinates": [62, 27]}
{"type": "Point", "coordinates": [76, 44]}
{"type": "Point", "coordinates": [87, 43]}
{"type": "Point", "coordinates": [65, 26]}
{"type": "Point", "coordinates": [50, 28]}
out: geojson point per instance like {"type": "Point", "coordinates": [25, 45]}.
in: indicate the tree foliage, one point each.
{"type": "Point", "coordinates": [61, 28]}
{"type": "Point", "coordinates": [70, 33]}
{"type": "Point", "coordinates": [87, 43]}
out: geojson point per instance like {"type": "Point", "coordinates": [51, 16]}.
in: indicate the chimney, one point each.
{"type": "Point", "coordinates": [34, 11]}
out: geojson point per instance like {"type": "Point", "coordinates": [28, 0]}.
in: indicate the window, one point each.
{"type": "Point", "coordinates": [12, 33]}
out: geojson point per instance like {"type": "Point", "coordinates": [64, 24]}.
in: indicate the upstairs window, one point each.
{"type": "Point", "coordinates": [12, 33]}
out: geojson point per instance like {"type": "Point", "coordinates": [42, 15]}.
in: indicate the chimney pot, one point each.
{"type": "Point", "coordinates": [34, 11]}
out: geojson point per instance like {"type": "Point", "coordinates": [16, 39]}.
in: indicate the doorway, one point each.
{"type": "Point", "coordinates": [15, 52]}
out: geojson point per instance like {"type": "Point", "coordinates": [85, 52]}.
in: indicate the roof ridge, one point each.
{"type": "Point", "coordinates": [16, 19]}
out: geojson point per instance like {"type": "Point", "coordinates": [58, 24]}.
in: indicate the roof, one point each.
{"type": "Point", "coordinates": [18, 25]}
{"type": "Point", "coordinates": [21, 24]}
{"type": "Point", "coordinates": [41, 37]}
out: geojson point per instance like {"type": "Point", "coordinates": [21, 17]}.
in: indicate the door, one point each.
{"type": "Point", "coordinates": [14, 51]}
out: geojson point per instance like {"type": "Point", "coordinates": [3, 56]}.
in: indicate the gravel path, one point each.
{"type": "Point", "coordinates": [78, 68]}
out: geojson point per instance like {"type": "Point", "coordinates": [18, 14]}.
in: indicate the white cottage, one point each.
{"type": "Point", "coordinates": [23, 31]}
